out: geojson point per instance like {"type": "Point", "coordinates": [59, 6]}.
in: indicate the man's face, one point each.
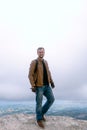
{"type": "Point", "coordinates": [40, 53]}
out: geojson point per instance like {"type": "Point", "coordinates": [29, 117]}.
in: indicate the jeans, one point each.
{"type": "Point", "coordinates": [40, 92]}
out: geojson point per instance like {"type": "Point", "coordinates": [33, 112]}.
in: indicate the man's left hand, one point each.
{"type": "Point", "coordinates": [52, 85]}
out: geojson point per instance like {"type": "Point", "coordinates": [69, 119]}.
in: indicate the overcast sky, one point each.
{"type": "Point", "coordinates": [60, 26]}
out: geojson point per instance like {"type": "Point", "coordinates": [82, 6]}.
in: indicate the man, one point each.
{"type": "Point", "coordinates": [40, 79]}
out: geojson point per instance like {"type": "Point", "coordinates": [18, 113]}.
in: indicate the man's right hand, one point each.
{"type": "Point", "coordinates": [33, 89]}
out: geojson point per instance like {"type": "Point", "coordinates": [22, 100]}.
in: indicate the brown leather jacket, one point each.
{"type": "Point", "coordinates": [36, 79]}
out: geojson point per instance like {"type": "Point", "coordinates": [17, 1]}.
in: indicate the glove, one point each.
{"type": "Point", "coordinates": [33, 89]}
{"type": "Point", "coordinates": [52, 85]}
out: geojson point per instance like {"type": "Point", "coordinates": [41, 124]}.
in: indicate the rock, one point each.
{"type": "Point", "coordinates": [28, 122]}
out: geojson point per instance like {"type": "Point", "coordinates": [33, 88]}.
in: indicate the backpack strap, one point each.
{"type": "Point", "coordinates": [36, 66]}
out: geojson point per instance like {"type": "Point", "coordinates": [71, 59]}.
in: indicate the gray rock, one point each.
{"type": "Point", "coordinates": [28, 122]}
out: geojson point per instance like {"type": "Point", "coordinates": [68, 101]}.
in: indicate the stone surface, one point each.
{"type": "Point", "coordinates": [28, 122]}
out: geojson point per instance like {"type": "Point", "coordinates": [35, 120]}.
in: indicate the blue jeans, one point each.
{"type": "Point", "coordinates": [40, 92]}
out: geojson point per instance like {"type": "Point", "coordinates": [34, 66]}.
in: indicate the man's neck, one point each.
{"type": "Point", "coordinates": [39, 58]}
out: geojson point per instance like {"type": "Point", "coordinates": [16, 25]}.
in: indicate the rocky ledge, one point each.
{"type": "Point", "coordinates": [28, 122]}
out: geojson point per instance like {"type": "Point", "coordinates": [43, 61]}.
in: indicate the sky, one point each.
{"type": "Point", "coordinates": [60, 26]}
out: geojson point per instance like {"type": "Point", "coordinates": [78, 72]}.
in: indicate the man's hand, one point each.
{"type": "Point", "coordinates": [33, 89]}
{"type": "Point", "coordinates": [52, 85]}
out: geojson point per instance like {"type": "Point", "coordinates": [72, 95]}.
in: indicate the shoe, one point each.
{"type": "Point", "coordinates": [40, 124]}
{"type": "Point", "coordinates": [44, 119]}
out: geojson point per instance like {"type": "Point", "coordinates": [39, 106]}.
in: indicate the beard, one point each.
{"type": "Point", "coordinates": [41, 56]}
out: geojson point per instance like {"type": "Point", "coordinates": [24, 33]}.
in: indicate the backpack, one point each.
{"type": "Point", "coordinates": [36, 66]}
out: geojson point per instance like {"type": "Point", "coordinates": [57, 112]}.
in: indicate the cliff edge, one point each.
{"type": "Point", "coordinates": [28, 122]}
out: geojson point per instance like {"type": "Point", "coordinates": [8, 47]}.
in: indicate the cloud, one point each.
{"type": "Point", "coordinates": [61, 29]}
{"type": "Point", "coordinates": [82, 92]}
{"type": "Point", "coordinates": [13, 92]}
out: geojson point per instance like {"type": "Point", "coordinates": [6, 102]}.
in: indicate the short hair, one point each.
{"type": "Point", "coordinates": [39, 48]}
